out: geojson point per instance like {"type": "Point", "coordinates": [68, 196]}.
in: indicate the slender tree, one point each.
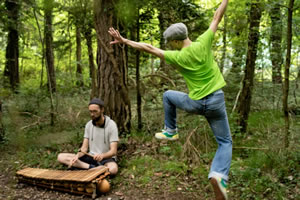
{"type": "Point", "coordinates": [79, 76]}
{"type": "Point", "coordinates": [222, 63]}
{"type": "Point", "coordinates": [48, 39]}
{"type": "Point", "coordinates": [275, 41]}
{"type": "Point", "coordinates": [93, 74]}
{"type": "Point", "coordinates": [253, 38]}
{"type": "Point", "coordinates": [287, 73]}
{"type": "Point", "coordinates": [112, 66]}
{"type": "Point", "coordinates": [12, 48]}
{"type": "Point", "coordinates": [138, 85]}
{"type": "Point", "coordinates": [2, 133]}
{"type": "Point", "coordinates": [237, 34]}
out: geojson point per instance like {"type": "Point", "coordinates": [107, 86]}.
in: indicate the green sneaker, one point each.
{"type": "Point", "coordinates": [219, 187]}
{"type": "Point", "coordinates": [166, 136]}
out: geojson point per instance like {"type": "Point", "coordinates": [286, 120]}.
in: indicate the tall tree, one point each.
{"type": "Point", "coordinates": [48, 39]}
{"type": "Point", "coordinates": [222, 63]}
{"type": "Point", "coordinates": [138, 84]}
{"type": "Point", "coordinates": [253, 38]}
{"type": "Point", "coordinates": [287, 73]}
{"type": "Point", "coordinates": [237, 34]}
{"type": "Point", "coordinates": [12, 48]}
{"type": "Point", "coordinates": [2, 133]}
{"type": "Point", "coordinates": [275, 41]}
{"type": "Point", "coordinates": [79, 76]}
{"type": "Point", "coordinates": [93, 74]}
{"type": "Point", "coordinates": [112, 66]}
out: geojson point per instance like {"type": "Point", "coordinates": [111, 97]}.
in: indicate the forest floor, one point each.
{"type": "Point", "coordinates": [124, 186]}
{"type": "Point", "coordinates": [261, 168]}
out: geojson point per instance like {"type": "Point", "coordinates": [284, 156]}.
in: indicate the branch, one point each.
{"type": "Point", "coordinates": [236, 100]}
{"type": "Point", "coordinates": [284, 6]}
{"type": "Point", "coordinates": [252, 148]}
{"type": "Point", "coordinates": [161, 76]}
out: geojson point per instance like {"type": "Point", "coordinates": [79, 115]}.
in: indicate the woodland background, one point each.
{"type": "Point", "coordinates": [55, 56]}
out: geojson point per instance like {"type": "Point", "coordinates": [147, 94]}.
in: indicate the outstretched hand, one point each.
{"type": "Point", "coordinates": [116, 35]}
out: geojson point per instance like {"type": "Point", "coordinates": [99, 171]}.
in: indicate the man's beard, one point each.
{"type": "Point", "coordinates": [95, 120]}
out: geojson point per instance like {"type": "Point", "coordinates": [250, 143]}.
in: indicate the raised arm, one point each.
{"type": "Point", "coordinates": [218, 16]}
{"type": "Point", "coordinates": [137, 45]}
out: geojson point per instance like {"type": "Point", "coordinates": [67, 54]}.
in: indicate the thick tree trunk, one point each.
{"type": "Point", "coordinates": [89, 43]}
{"type": "Point", "coordinates": [12, 48]}
{"type": "Point", "coordinates": [112, 66]}
{"type": "Point", "coordinates": [275, 39]}
{"type": "Point", "coordinates": [48, 6]}
{"type": "Point", "coordinates": [287, 74]}
{"type": "Point", "coordinates": [79, 81]}
{"type": "Point", "coordinates": [253, 38]}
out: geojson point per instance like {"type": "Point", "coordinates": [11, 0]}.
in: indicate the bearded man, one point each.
{"type": "Point", "coordinates": [100, 139]}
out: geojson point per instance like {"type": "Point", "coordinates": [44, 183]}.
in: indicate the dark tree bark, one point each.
{"type": "Point", "coordinates": [163, 25]}
{"type": "Point", "coordinates": [222, 63]}
{"type": "Point", "coordinates": [48, 38]}
{"type": "Point", "coordinates": [137, 63]}
{"type": "Point", "coordinates": [287, 74]}
{"type": "Point", "coordinates": [89, 43]}
{"type": "Point", "coordinates": [2, 133]}
{"type": "Point", "coordinates": [112, 66]}
{"type": "Point", "coordinates": [253, 38]}
{"type": "Point", "coordinates": [275, 39]}
{"type": "Point", "coordinates": [79, 77]}
{"type": "Point", "coordinates": [12, 48]}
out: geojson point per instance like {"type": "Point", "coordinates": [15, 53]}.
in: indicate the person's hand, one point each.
{"type": "Point", "coordinates": [98, 157]}
{"type": "Point", "coordinates": [116, 35]}
{"type": "Point", "coordinates": [73, 160]}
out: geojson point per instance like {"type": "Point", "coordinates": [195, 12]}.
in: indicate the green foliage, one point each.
{"type": "Point", "coordinates": [265, 175]}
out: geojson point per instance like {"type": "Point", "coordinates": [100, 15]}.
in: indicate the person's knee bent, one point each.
{"type": "Point", "coordinates": [113, 169]}
{"type": "Point", "coordinates": [61, 158]}
{"type": "Point", "coordinates": [166, 94]}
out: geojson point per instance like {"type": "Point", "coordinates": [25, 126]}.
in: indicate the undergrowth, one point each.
{"type": "Point", "coordinates": [261, 167]}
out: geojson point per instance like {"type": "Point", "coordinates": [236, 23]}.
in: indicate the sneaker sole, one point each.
{"type": "Point", "coordinates": [218, 193]}
{"type": "Point", "coordinates": [165, 138]}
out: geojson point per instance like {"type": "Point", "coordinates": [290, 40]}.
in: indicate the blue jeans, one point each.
{"type": "Point", "coordinates": [214, 110]}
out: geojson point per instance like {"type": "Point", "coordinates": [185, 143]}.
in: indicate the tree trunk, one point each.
{"type": "Point", "coordinates": [222, 63]}
{"type": "Point", "coordinates": [2, 133]}
{"type": "Point", "coordinates": [253, 38]}
{"type": "Point", "coordinates": [43, 46]}
{"type": "Point", "coordinates": [163, 25]}
{"type": "Point", "coordinates": [287, 73]}
{"type": "Point", "coordinates": [275, 39]}
{"type": "Point", "coordinates": [138, 92]}
{"type": "Point", "coordinates": [12, 48]}
{"type": "Point", "coordinates": [48, 6]}
{"type": "Point", "coordinates": [79, 77]}
{"type": "Point", "coordinates": [89, 43]}
{"type": "Point", "coordinates": [48, 39]}
{"type": "Point", "coordinates": [112, 66]}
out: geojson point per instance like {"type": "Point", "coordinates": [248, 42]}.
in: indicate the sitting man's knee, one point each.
{"type": "Point", "coordinates": [61, 157]}
{"type": "Point", "coordinates": [113, 169]}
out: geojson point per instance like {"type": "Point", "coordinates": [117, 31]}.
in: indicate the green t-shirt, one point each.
{"type": "Point", "coordinates": [197, 65]}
